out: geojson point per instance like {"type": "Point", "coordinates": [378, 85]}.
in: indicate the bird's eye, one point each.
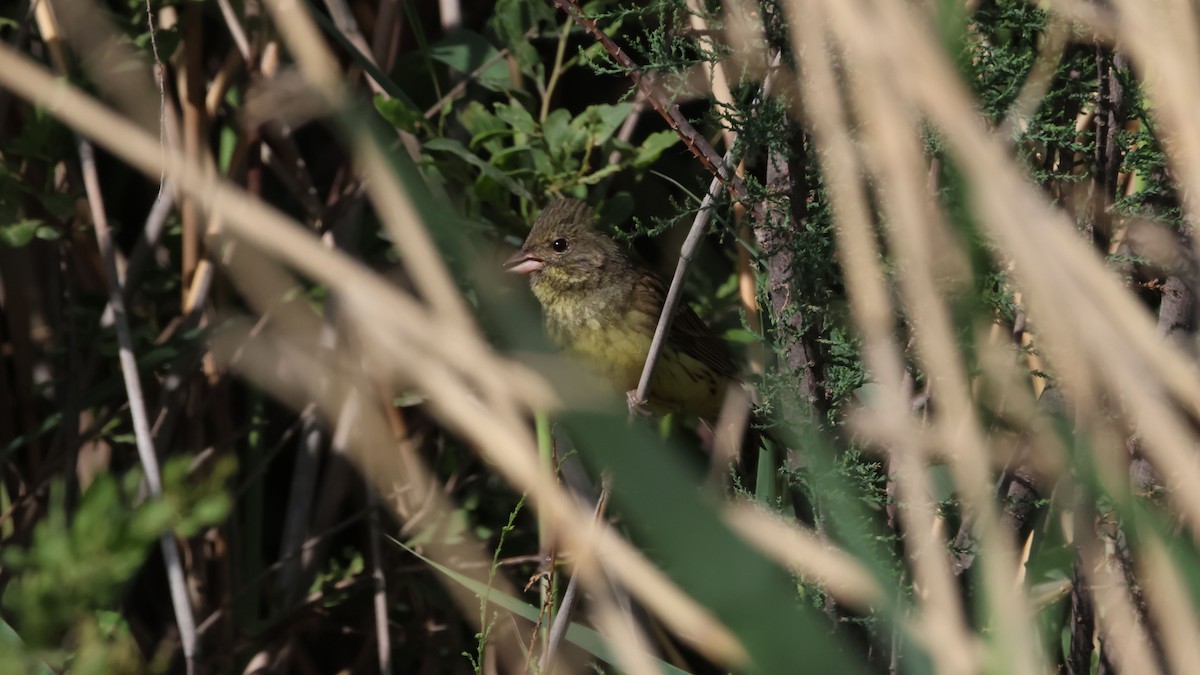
{"type": "Point", "coordinates": [559, 245]}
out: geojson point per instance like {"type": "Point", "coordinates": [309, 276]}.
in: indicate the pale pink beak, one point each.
{"type": "Point", "coordinates": [522, 263]}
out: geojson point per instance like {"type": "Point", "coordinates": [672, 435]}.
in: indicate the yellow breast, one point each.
{"type": "Point", "coordinates": [617, 351]}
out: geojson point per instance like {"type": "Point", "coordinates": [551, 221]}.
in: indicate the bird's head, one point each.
{"type": "Point", "coordinates": [564, 249]}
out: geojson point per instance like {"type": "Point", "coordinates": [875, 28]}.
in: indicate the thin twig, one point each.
{"type": "Point", "coordinates": [562, 620]}
{"type": "Point", "coordinates": [137, 403]}
{"type": "Point", "coordinates": [307, 463]}
{"type": "Point", "coordinates": [159, 70]}
{"type": "Point", "coordinates": [301, 491]}
{"type": "Point", "coordinates": [235, 29]}
{"type": "Point", "coordinates": [383, 638]}
{"type": "Point", "coordinates": [545, 443]}
{"type": "Point", "coordinates": [555, 72]}
{"type": "Point", "coordinates": [685, 257]}
{"type": "Point", "coordinates": [676, 290]}
{"type": "Point", "coordinates": [151, 232]}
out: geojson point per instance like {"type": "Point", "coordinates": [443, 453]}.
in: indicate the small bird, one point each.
{"type": "Point", "coordinates": [602, 308]}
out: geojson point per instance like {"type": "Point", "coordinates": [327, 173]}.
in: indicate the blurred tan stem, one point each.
{"type": "Point", "coordinates": [871, 308]}
{"type": "Point", "coordinates": [192, 82]}
{"type": "Point", "coordinates": [385, 36]}
{"type": "Point", "coordinates": [913, 221]}
{"type": "Point", "coordinates": [235, 29]}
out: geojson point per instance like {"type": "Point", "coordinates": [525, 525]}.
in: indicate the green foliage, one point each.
{"type": "Point", "coordinates": [1154, 194]}
{"type": "Point", "coordinates": [469, 52]}
{"type": "Point", "coordinates": [1003, 45]}
{"type": "Point", "coordinates": [1000, 51]}
{"type": "Point", "coordinates": [510, 152]}
{"type": "Point", "coordinates": [71, 577]}
{"type": "Point", "coordinates": [488, 619]}
{"type": "Point", "coordinates": [662, 45]}
{"type": "Point", "coordinates": [41, 139]}
{"type": "Point", "coordinates": [23, 231]}
{"type": "Point", "coordinates": [328, 585]}
{"type": "Point", "coordinates": [511, 20]}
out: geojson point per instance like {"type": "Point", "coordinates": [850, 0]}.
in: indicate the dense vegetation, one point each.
{"type": "Point", "coordinates": [268, 403]}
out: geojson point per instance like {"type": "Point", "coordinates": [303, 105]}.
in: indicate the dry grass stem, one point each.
{"type": "Point", "coordinates": [806, 553]}
{"type": "Point", "coordinates": [893, 140]}
{"type": "Point", "coordinates": [871, 309]}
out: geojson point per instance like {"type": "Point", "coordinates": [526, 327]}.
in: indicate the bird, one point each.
{"type": "Point", "coordinates": [603, 308]}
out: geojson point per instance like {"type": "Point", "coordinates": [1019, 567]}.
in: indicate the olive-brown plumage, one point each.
{"type": "Point", "coordinates": [603, 308]}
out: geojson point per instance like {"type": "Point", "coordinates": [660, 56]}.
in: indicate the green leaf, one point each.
{"type": "Point", "coordinates": [600, 122]}
{"type": "Point", "coordinates": [600, 174]}
{"type": "Point", "coordinates": [11, 646]}
{"type": "Point", "coordinates": [542, 163]}
{"type": "Point", "coordinates": [489, 191]}
{"type": "Point", "coordinates": [409, 399]}
{"type": "Point", "coordinates": [455, 148]}
{"type": "Point", "coordinates": [19, 233]}
{"type": "Point", "coordinates": [208, 511]}
{"type": "Point", "coordinates": [741, 336]}
{"type": "Point", "coordinates": [151, 520]}
{"type": "Point", "coordinates": [49, 423]}
{"type": "Point", "coordinates": [517, 117]}
{"type": "Point", "coordinates": [166, 40]}
{"type": "Point", "coordinates": [512, 155]}
{"type": "Point", "coordinates": [467, 52]}
{"type": "Point", "coordinates": [561, 137]}
{"type": "Point", "coordinates": [617, 209]}
{"type": "Point", "coordinates": [480, 121]}
{"type": "Point", "coordinates": [653, 147]}
{"type": "Point", "coordinates": [398, 113]}
{"type": "Point", "coordinates": [158, 356]}
{"type": "Point", "coordinates": [42, 137]}
{"type": "Point", "coordinates": [510, 20]}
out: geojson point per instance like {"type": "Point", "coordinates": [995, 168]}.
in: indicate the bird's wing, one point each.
{"type": "Point", "coordinates": [689, 334]}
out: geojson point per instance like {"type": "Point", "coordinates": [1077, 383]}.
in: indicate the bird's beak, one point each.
{"type": "Point", "coordinates": [522, 263]}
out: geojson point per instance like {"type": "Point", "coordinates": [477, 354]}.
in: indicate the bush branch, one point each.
{"type": "Point", "coordinates": [646, 83]}
{"type": "Point", "coordinates": [137, 403]}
